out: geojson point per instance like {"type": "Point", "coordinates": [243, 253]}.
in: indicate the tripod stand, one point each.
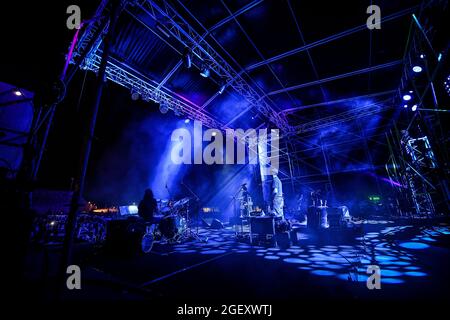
{"type": "Point", "coordinates": [188, 233]}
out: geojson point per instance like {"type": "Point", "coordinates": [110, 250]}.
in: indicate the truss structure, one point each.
{"type": "Point", "coordinates": [181, 30]}
{"type": "Point", "coordinates": [177, 27]}
{"type": "Point", "coordinates": [419, 174]}
{"type": "Point", "coordinates": [148, 89]}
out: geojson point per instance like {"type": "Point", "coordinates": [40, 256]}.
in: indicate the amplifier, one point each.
{"type": "Point", "coordinates": [262, 225]}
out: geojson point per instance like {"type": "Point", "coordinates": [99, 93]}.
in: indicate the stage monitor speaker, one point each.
{"type": "Point", "coordinates": [263, 225]}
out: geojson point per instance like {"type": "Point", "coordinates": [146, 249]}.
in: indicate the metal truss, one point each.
{"type": "Point", "coordinates": [93, 32]}
{"type": "Point", "coordinates": [419, 175]}
{"type": "Point", "coordinates": [148, 89]}
{"type": "Point", "coordinates": [181, 30]}
{"type": "Point", "coordinates": [352, 114]}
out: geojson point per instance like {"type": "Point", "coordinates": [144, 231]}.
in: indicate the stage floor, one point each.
{"type": "Point", "coordinates": [326, 265]}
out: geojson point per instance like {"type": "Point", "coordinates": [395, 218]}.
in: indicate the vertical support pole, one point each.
{"type": "Point", "coordinates": [290, 168]}
{"type": "Point", "coordinates": [325, 158]}
{"type": "Point", "coordinates": [87, 142]}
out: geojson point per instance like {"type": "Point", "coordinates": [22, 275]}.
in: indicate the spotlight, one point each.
{"type": "Point", "coordinates": [214, 133]}
{"type": "Point", "coordinates": [414, 107]}
{"type": "Point", "coordinates": [187, 121]}
{"type": "Point", "coordinates": [17, 93]}
{"type": "Point", "coordinates": [134, 95]}
{"type": "Point", "coordinates": [417, 69]}
{"type": "Point", "coordinates": [205, 72]}
{"type": "Point", "coordinates": [407, 97]}
{"type": "Point", "coordinates": [405, 106]}
{"type": "Point", "coordinates": [187, 58]}
{"type": "Point", "coordinates": [422, 56]}
{"type": "Point", "coordinates": [163, 108]}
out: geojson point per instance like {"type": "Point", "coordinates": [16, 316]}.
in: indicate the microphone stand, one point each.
{"type": "Point", "coordinates": [233, 199]}
{"type": "Point", "coordinates": [197, 199]}
{"type": "Point", "coordinates": [168, 191]}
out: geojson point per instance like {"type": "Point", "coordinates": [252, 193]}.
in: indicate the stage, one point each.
{"type": "Point", "coordinates": [325, 265]}
{"type": "Point", "coordinates": [181, 154]}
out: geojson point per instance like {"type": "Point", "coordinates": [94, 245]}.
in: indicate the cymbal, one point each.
{"type": "Point", "coordinates": [181, 202]}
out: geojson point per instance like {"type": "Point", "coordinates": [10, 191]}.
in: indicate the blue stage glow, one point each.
{"type": "Point", "coordinates": [333, 266]}
{"type": "Point", "coordinates": [412, 268]}
{"type": "Point", "coordinates": [284, 254]}
{"type": "Point", "coordinates": [415, 274]}
{"type": "Point", "coordinates": [296, 260]}
{"type": "Point", "coordinates": [384, 258]}
{"type": "Point", "coordinates": [400, 263]}
{"type": "Point", "coordinates": [187, 251]}
{"type": "Point", "coordinates": [391, 280]}
{"type": "Point", "coordinates": [213, 252]}
{"type": "Point", "coordinates": [271, 257]}
{"type": "Point", "coordinates": [304, 268]}
{"type": "Point", "coordinates": [323, 273]}
{"type": "Point", "coordinates": [390, 273]}
{"type": "Point", "coordinates": [414, 245]}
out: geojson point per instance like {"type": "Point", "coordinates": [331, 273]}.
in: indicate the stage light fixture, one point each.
{"type": "Point", "coordinates": [187, 58]}
{"type": "Point", "coordinates": [414, 107]}
{"type": "Point", "coordinates": [214, 133]}
{"type": "Point", "coordinates": [417, 69]}
{"type": "Point", "coordinates": [187, 121]}
{"type": "Point", "coordinates": [407, 97]}
{"type": "Point", "coordinates": [17, 93]}
{"type": "Point", "coordinates": [447, 85]}
{"type": "Point", "coordinates": [163, 108]}
{"type": "Point", "coordinates": [205, 72]}
{"type": "Point", "coordinates": [405, 106]}
{"type": "Point", "coordinates": [422, 56]}
{"type": "Point", "coordinates": [134, 95]}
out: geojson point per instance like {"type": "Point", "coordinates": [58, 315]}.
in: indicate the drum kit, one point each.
{"type": "Point", "coordinates": [174, 225]}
